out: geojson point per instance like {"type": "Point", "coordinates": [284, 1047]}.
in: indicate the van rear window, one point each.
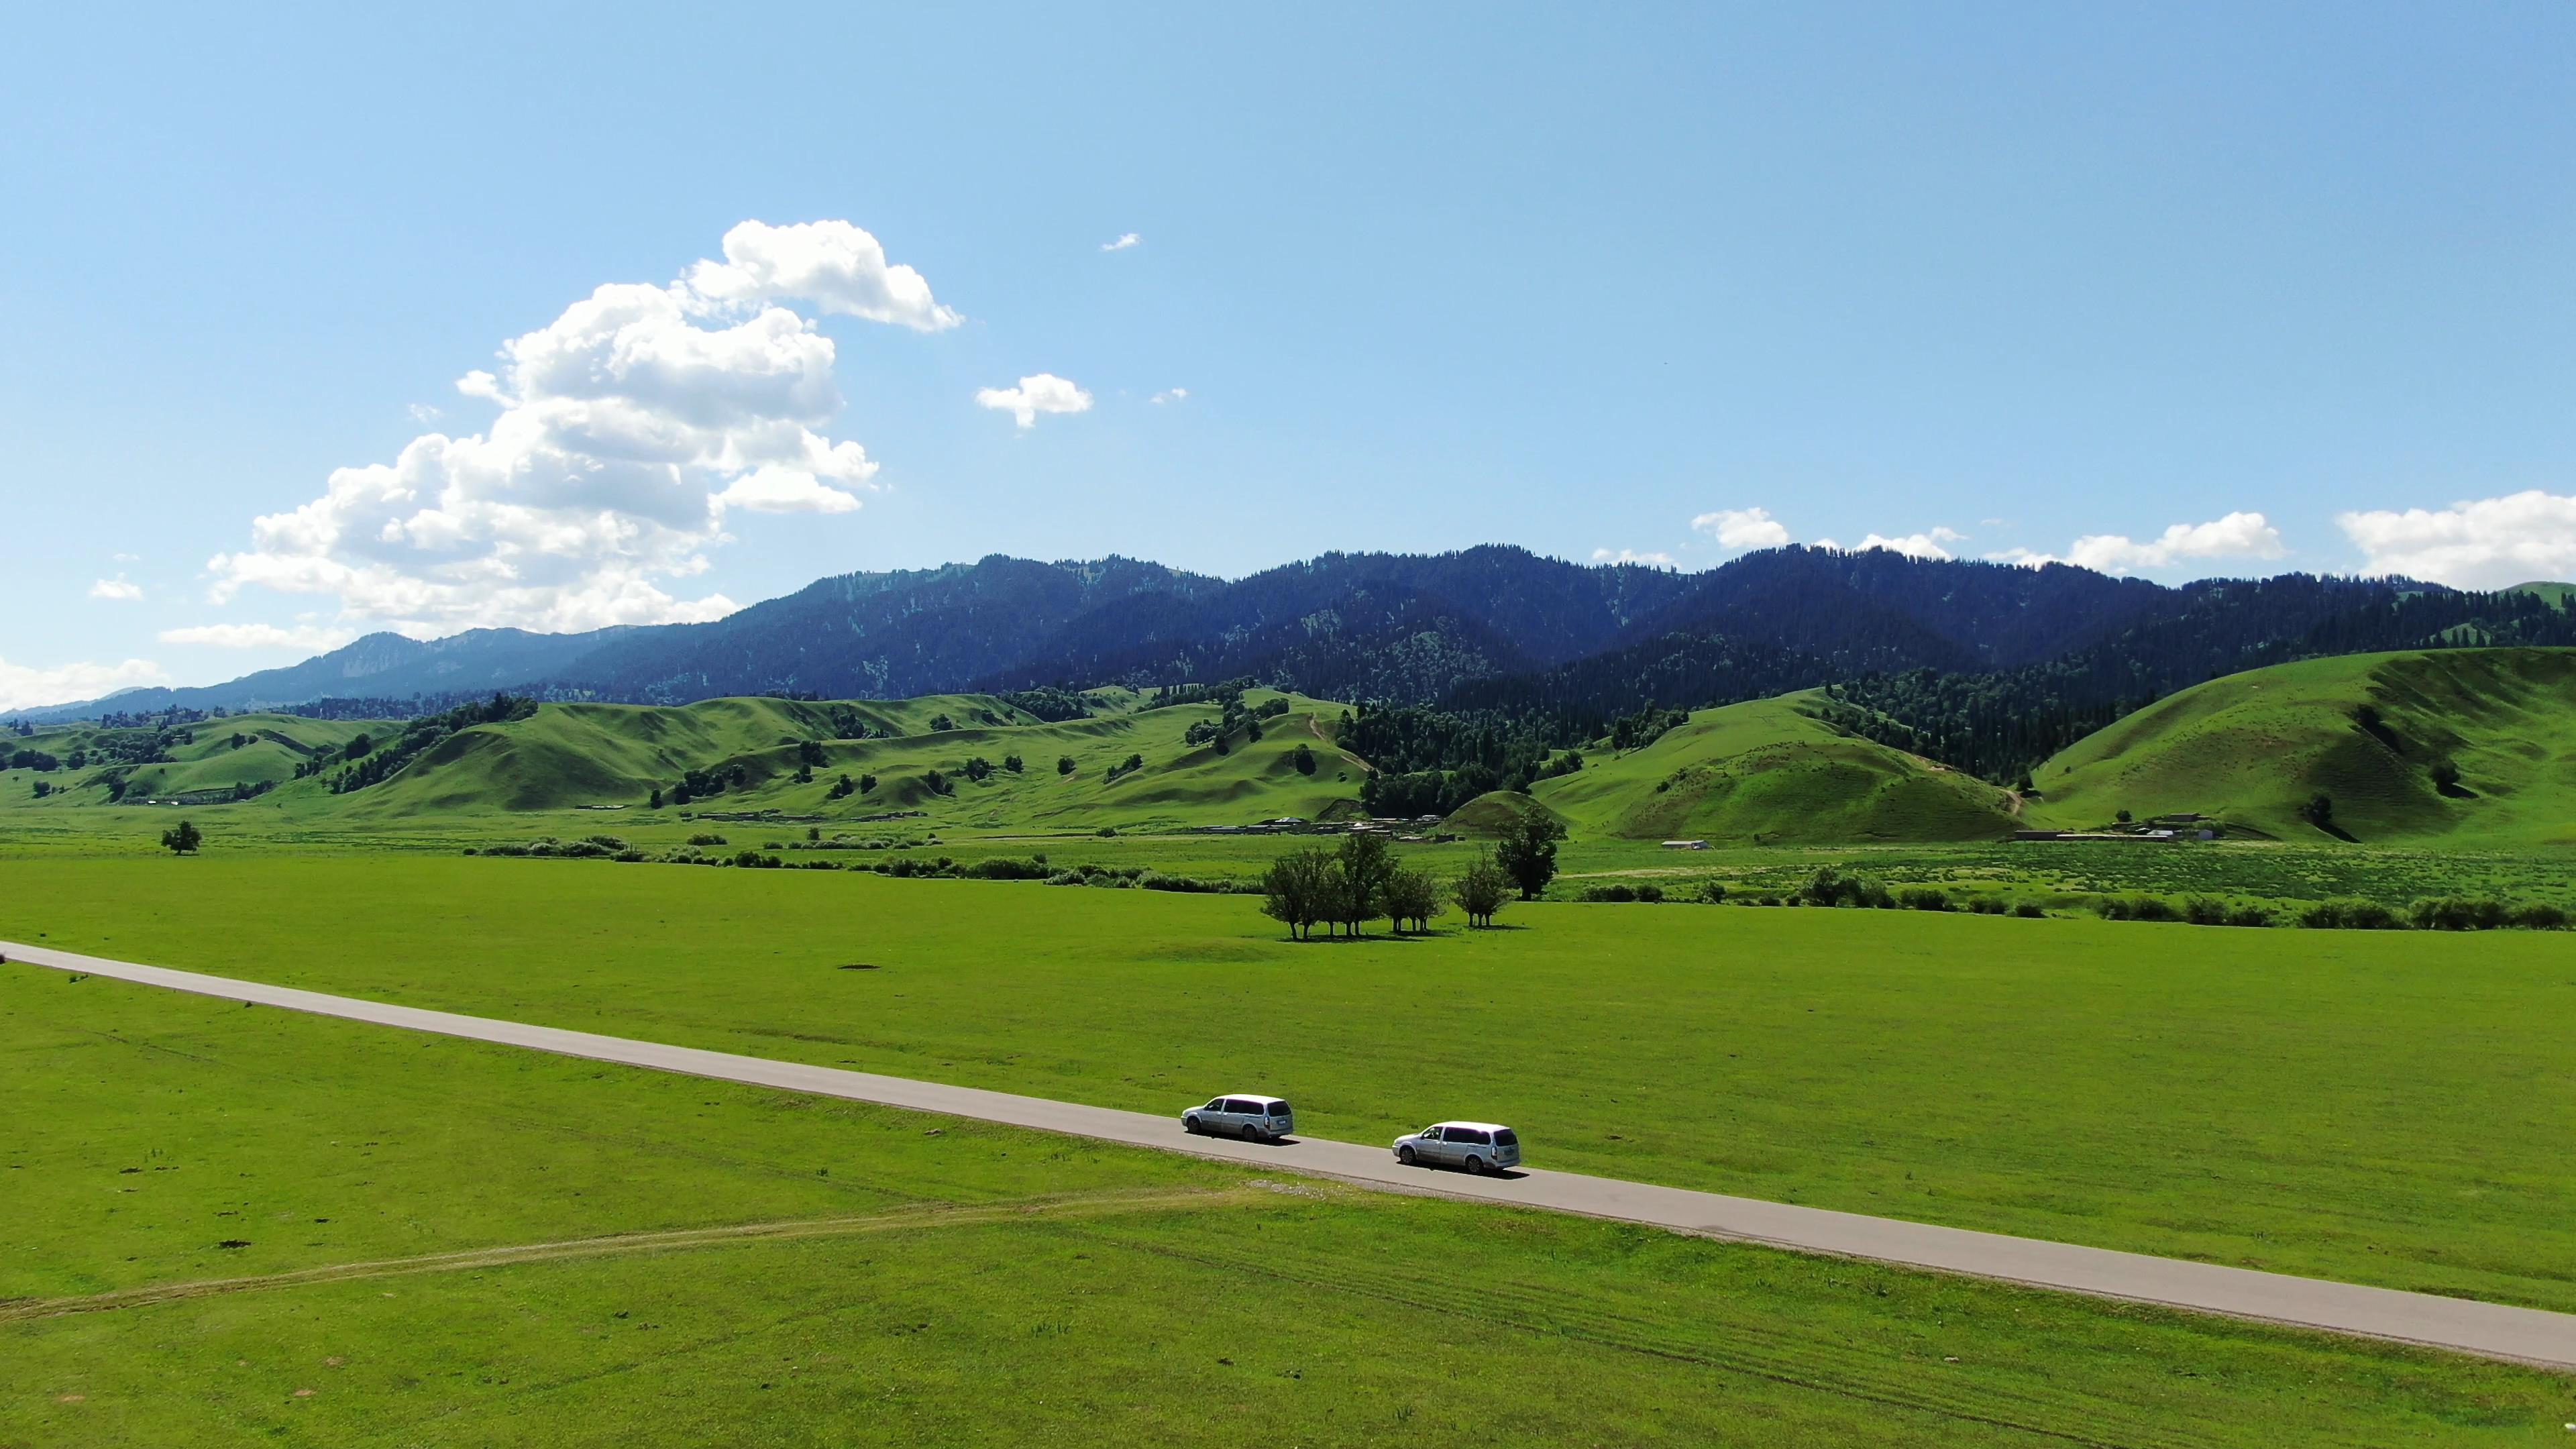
{"type": "Point", "coordinates": [1278, 1109]}
{"type": "Point", "coordinates": [1507, 1138]}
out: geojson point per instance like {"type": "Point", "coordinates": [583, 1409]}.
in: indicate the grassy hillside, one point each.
{"type": "Point", "coordinates": [1771, 772]}
{"type": "Point", "coordinates": [214, 754]}
{"type": "Point", "coordinates": [2252, 748]}
{"type": "Point", "coordinates": [584, 754]}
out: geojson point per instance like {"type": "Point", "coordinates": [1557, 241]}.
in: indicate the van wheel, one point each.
{"type": "Point", "coordinates": [1475, 1167]}
{"type": "Point", "coordinates": [1251, 1133]}
{"type": "Point", "coordinates": [1190, 1125]}
{"type": "Point", "coordinates": [1404, 1155]}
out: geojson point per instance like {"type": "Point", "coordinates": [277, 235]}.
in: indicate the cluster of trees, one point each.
{"type": "Point", "coordinates": [1363, 879]}
{"type": "Point", "coordinates": [372, 765]}
{"type": "Point", "coordinates": [714, 780]}
{"type": "Point", "coordinates": [845, 787]}
{"type": "Point", "coordinates": [1343, 889]}
{"type": "Point", "coordinates": [1049, 703]}
{"type": "Point", "coordinates": [32, 760]}
{"type": "Point", "coordinates": [1127, 766]}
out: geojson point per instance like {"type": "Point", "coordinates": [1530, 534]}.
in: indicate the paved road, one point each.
{"type": "Point", "coordinates": [2489, 1329]}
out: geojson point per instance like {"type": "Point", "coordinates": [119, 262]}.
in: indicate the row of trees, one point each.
{"type": "Point", "coordinates": [1344, 888]}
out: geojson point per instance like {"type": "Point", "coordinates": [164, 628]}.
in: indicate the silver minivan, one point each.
{"type": "Point", "coordinates": [1252, 1116]}
{"type": "Point", "coordinates": [1475, 1146]}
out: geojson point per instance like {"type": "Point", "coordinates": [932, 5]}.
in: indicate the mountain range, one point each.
{"type": "Point", "coordinates": [1960, 655]}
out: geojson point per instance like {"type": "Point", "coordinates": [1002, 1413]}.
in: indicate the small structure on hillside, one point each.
{"type": "Point", "coordinates": [1685, 845]}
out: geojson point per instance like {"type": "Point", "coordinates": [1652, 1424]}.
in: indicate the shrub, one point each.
{"type": "Point", "coordinates": [2459, 913]}
{"type": "Point", "coordinates": [1606, 893]}
{"type": "Point", "coordinates": [2205, 911]}
{"type": "Point", "coordinates": [706, 840]}
{"type": "Point", "coordinates": [2250, 916]}
{"type": "Point", "coordinates": [2539, 916]}
{"type": "Point", "coordinates": [2029, 911]}
{"type": "Point", "coordinates": [2350, 915]}
{"type": "Point", "coordinates": [1005, 868]}
{"type": "Point", "coordinates": [630, 855]}
{"type": "Point", "coordinates": [1986, 906]}
{"type": "Point", "coordinates": [1711, 893]}
{"type": "Point", "coordinates": [1651, 895]}
{"type": "Point", "coordinates": [2149, 908]}
{"type": "Point", "coordinates": [1926, 898]}
{"type": "Point", "coordinates": [1065, 877]}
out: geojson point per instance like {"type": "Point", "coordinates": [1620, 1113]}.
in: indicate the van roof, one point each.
{"type": "Point", "coordinates": [1258, 1096]}
{"type": "Point", "coordinates": [1479, 1126]}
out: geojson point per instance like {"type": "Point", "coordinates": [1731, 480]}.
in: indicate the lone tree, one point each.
{"type": "Point", "coordinates": [2319, 812]}
{"type": "Point", "coordinates": [1304, 759]}
{"type": "Point", "coordinates": [182, 839]}
{"type": "Point", "coordinates": [1064, 764]}
{"type": "Point", "coordinates": [1482, 890]}
{"type": "Point", "coordinates": [1528, 852]}
{"type": "Point", "coordinates": [656, 802]}
{"type": "Point", "coordinates": [1367, 865]}
{"type": "Point", "coordinates": [1411, 895]}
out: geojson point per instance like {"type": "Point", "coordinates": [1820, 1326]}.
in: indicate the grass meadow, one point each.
{"type": "Point", "coordinates": [2388, 1108]}
{"type": "Point", "coordinates": [236, 1226]}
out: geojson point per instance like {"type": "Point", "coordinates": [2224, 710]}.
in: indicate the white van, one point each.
{"type": "Point", "coordinates": [1475, 1146]}
{"type": "Point", "coordinates": [1252, 1116]}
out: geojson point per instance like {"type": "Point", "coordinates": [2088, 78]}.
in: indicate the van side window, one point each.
{"type": "Point", "coordinates": [1469, 1134]}
{"type": "Point", "coordinates": [1216, 1105]}
{"type": "Point", "coordinates": [1237, 1104]}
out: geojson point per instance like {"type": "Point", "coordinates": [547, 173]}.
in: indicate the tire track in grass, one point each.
{"type": "Point", "coordinates": [916, 1216]}
{"type": "Point", "coordinates": [1795, 1361]}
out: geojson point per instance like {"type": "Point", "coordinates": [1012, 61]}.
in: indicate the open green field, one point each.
{"type": "Point", "coordinates": [2385, 1108]}
{"type": "Point", "coordinates": [2252, 748]}
{"type": "Point", "coordinates": [452, 1243]}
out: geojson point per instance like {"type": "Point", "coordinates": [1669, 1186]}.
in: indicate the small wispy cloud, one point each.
{"type": "Point", "coordinates": [424, 414]}
{"type": "Point", "coordinates": [1172, 395]}
{"type": "Point", "coordinates": [115, 588]}
{"type": "Point", "coordinates": [1041, 393]}
{"type": "Point", "coordinates": [258, 636]}
{"type": "Point", "coordinates": [1631, 556]}
{"type": "Point", "coordinates": [1125, 240]}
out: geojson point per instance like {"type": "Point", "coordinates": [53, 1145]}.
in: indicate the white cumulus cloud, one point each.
{"type": "Point", "coordinates": [628, 428]}
{"type": "Point", "coordinates": [115, 588]}
{"type": "Point", "coordinates": [1043, 393]}
{"type": "Point", "coordinates": [832, 264]}
{"type": "Point", "coordinates": [2483, 543]}
{"type": "Point", "coordinates": [24, 687]}
{"type": "Point", "coordinates": [1631, 556]}
{"type": "Point", "coordinates": [314, 637]}
{"type": "Point", "coordinates": [1931, 543]}
{"type": "Point", "coordinates": [1743, 528]}
{"type": "Point", "coordinates": [1125, 240]}
{"type": "Point", "coordinates": [2238, 535]}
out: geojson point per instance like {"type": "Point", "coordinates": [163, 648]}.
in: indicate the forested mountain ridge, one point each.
{"type": "Point", "coordinates": [1987, 666]}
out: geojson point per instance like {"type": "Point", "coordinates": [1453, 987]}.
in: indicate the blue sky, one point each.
{"type": "Point", "coordinates": [2091, 282]}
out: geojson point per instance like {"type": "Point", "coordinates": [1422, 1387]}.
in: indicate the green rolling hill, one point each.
{"type": "Point", "coordinates": [1770, 771]}
{"type": "Point", "coordinates": [2251, 748]}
